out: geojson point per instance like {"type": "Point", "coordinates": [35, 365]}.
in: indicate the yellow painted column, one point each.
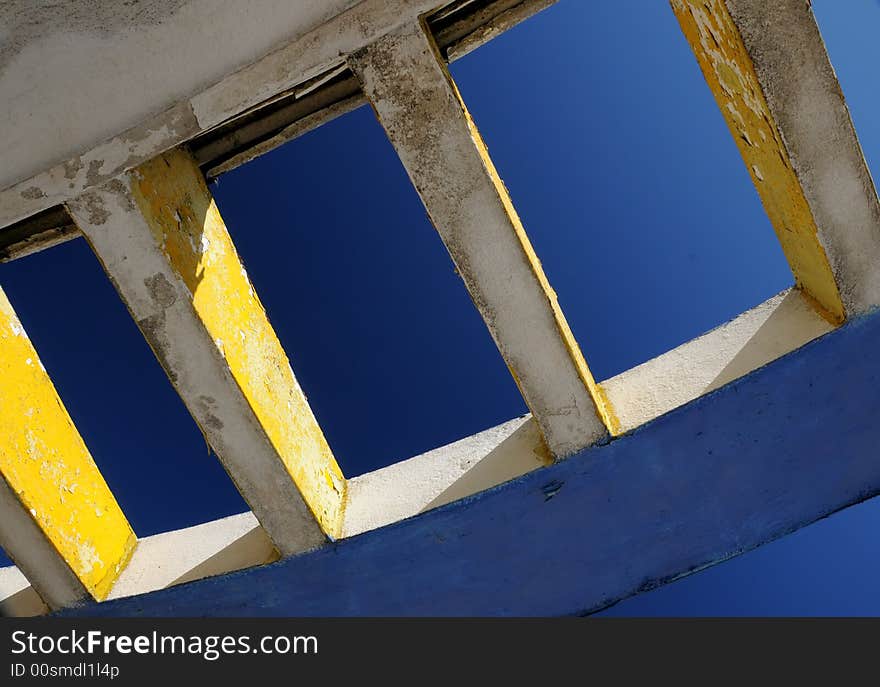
{"type": "Point", "coordinates": [427, 122]}
{"type": "Point", "coordinates": [728, 69]}
{"type": "Point", "coordinates": [161, 238]}
{"type": "Point", "coordinates": [60, 523]}
{"type": "Point", "coordinates": [186, 225]}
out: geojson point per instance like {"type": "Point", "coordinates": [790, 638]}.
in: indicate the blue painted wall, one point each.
{"type": "Point", "coordinates": [763, 456]}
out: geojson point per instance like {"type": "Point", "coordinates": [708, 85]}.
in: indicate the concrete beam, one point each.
{"type": "Point", "coordinates": [376, 499]}
{"type": "Point", "coordinates": [58, 519]}
{"type": "Point", "coordinates": [274, 46]}
{"type": "Point", "coordinates": [457, 35]}
{"type": "Point", "coordinates": [64, 100]}
{"type": "Point", "coordinates": [443, 475]}
{"type": "Point", "coordinates": [57, 144]}
{"type": "Point", "coordinates": [766, 64]}
{"type": "Point", "coordinates": [471, 465]}
{"type": "Point", "coordinates": [163, 560]}
{"type": "Point", "coordinates": [250, 131]}
{"type": "Point", "coordinates": [18, 599]}
{"type": "Point", "coordinates": [425, 119]}
{"type": "Point", "coordinates": [246, 138]}
{"type": "Point", "coordinates": [162, 241]}
{"type": "Point", "coordinates": [790, 443]}
{"type": "Point", "coordinates": [38, 232]}
{"type": "Point", "coordinates": [758, 336]}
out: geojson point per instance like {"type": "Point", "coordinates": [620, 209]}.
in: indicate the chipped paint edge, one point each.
{"type": "Point", "coordinates": [731, 77]}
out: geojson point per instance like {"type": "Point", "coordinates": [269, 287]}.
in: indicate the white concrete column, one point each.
{"type": "Point", "coordinates": [425, 119]}
{"type": "Point", "coordinates": [767, 67]}
{"type": "Point", "coordinates": [162, 241]}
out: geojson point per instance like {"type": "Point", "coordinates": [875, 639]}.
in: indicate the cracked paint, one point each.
{"type": "Point", "coordinates": [731, 76]}
{"type": "Point", "coordinates": [47, 466]}
{"type": "Point", "coordinates": [171, 194]}
{"type": "Point", "coordinates": [425, 118]}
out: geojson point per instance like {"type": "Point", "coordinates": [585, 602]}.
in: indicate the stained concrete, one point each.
{"type": "Point", "coordinates": [809, 108]}
{"type": "Point", "coordinates": [445, 158]}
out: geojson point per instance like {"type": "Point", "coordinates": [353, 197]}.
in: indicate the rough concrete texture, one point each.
{"type": "Point", "coordinates": [62, 96]}
{"type": "Point", "coordinates": [17, 596]}
{"type": "Point", "coordinates": [165, 301]}
{"type": "Point", "coordinates": [78, 119]}
{"type": "Point", "coordinates": [788, 444]}
{"type": "Point", "coordinates": [780, 325]}
{"type": "Point", "coordinates": [426, 121]}
{"type": "Point", "coordinates": [163, 560]}
{"type": "Point", "coordinates": [473, 464]}
{"type": "Point", "coordinates": [731, 76]}
{"type": "Point", "coordinates": [376, 499]}
{"type": "Point", "coordinates": [379, 498]}
{"type": "Point", "coordinates": [171, 195]}
{"type": "Point", "coordinates": [27, 545]}
{"type": "Point", "coordinates": [443, 475]}
{"type": "Point", "coordinates": [49, 478]}
{"type": "Point", "coordinates": [97, 166]}
{"type": "Point", "coordinates": [809, 111]}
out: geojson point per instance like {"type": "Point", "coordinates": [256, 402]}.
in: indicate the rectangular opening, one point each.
{"type": "Point", "coordinates": [138, 431]}
{"type": "Point", "coordinates": [380, 331]}
{"type": "Point", "coordinates": [626, 178]}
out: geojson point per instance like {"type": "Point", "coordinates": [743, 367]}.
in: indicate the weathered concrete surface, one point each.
{"type": "Point", "coordinates": [62, 95]}
{"type": "Point", "coordinates": [67, 132]}
{"type": "Point", "coordinates": [163, 243]}
{"type": "Point", "coordinates": [306, 51]}
{"type": "Point", "coordinates": [491, 23]}
{"type": "Point", "coordinates": [97, 166]}
{"type": "Point", "coordinates": [447, 161]}
{"type": "Point", "coordinates": [772, 452]}
{"type": "Point", "coordinates": [731, 76]}
{"type": "Point", "coordinates": [443, 475]}
{"type": "Point", "coordinates": [212, 548]}
{"type": "Point", "coordinates": [376, 499]}
{"type": "Point", "coordinates": [768, 68]}
{"type": "Point", "coordinates": [58, 519]}
{"type": "Point", "coordinates": [163, 560]}
{"type": "Point", "coordinates": [470, 465]}
{"type": "Point", "coordinates": [17, 597]}
{"type": "Point", "coordinates": [758, 336]}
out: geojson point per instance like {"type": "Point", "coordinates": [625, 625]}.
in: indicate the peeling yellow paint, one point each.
{"type": "Point", "coordinates": [46, 464]}
{"type": "Point", "coordinates": [731, 76]}
{"type": "Point", "coordinates": [183, 218]}
{"type": "Point", "coordinates": [601, 402]}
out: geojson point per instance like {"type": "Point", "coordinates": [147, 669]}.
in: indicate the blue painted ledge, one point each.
{"type": "Point", "coordinates": [786, 445]}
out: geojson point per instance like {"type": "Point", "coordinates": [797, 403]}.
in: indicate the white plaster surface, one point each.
{"type": "Point", "coordinates": [470, 465]}
{"type": "Point", "coordinates": [443, 475]}
{"type": "Point", "coordinates": [163, 560]}
{"type": "Point", "coordinates": [414, 100]}
{"type": "Point", "coordinates": [212, 548]}
{"type": "Point", "coordinates": [810, 110]}
{"type": "Point", "coordinates": [78, 119]}
{"type": "Point", "coordinates": [758, 336]}
{"type": "Point", "coordinates": [160, 302]}
{"type": "Point", "coordinates": [77, 73]}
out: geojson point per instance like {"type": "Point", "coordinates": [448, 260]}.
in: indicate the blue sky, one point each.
{"type": "Point", "coordinates": [636, 200]}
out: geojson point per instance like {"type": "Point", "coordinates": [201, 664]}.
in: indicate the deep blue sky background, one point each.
{"type": "Point", "coordinates": [636, 200]}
